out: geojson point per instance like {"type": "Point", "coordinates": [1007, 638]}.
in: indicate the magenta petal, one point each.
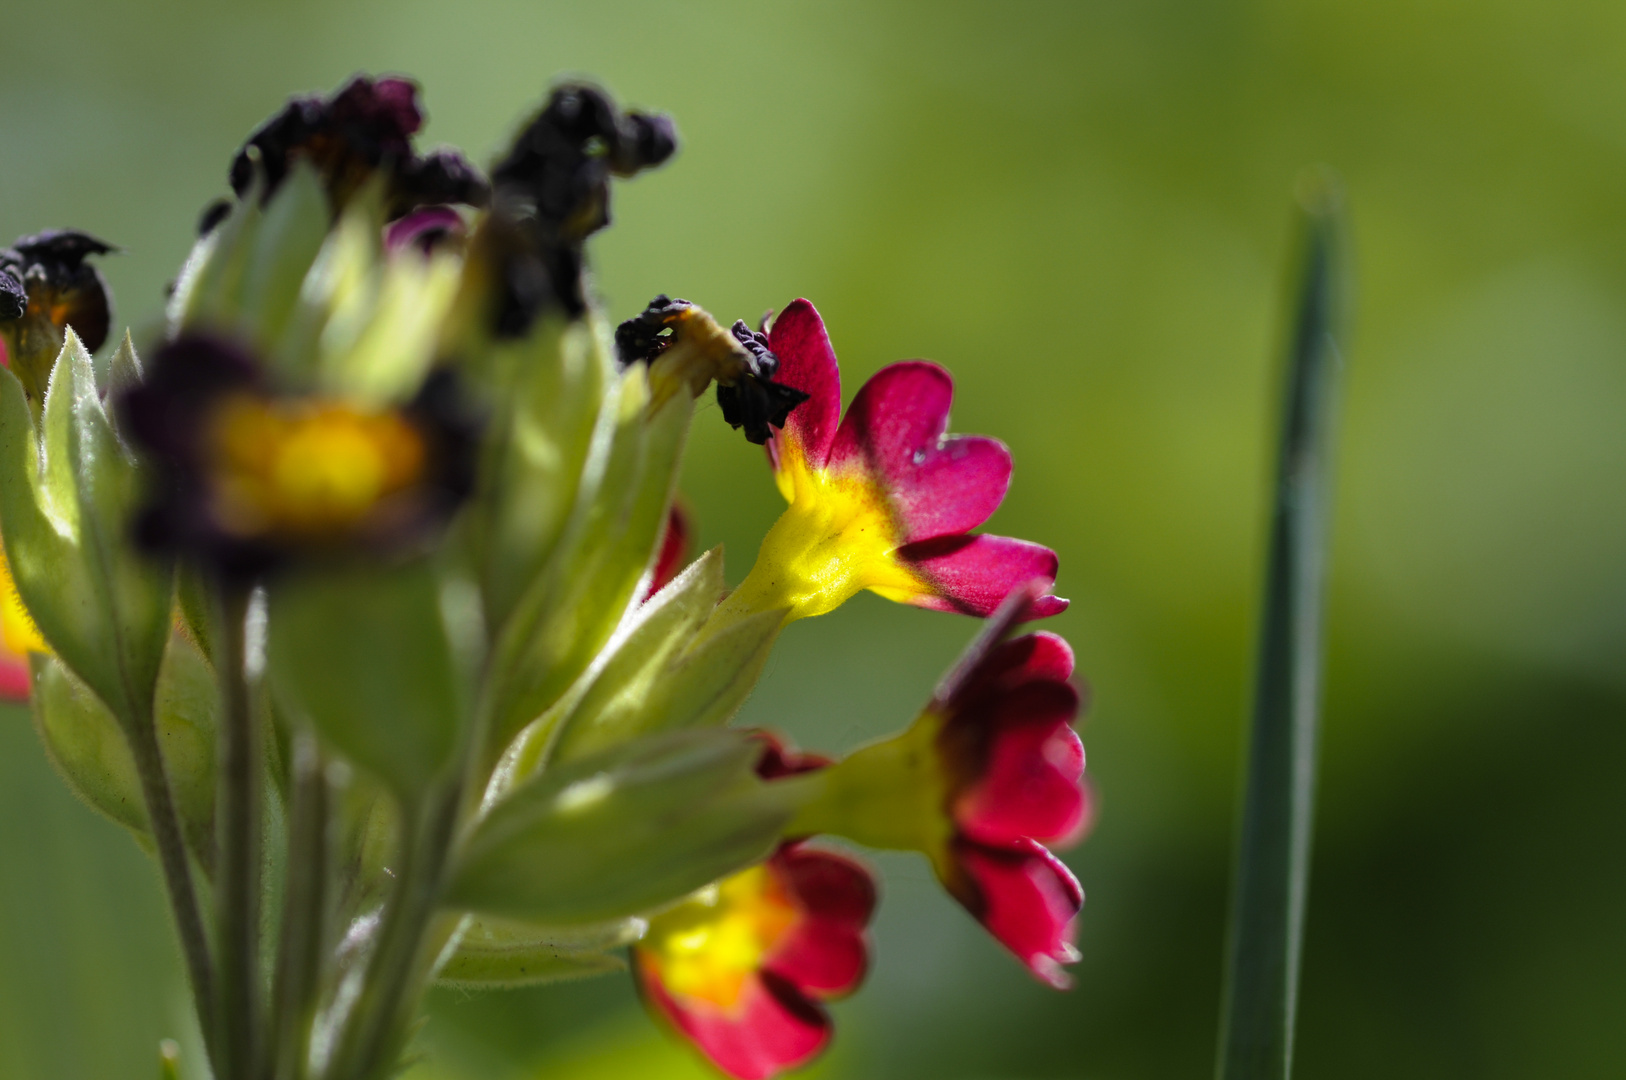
{"type": "Point", "coordinates": [14, 679]}
{"type": "Point", "coordinates": [673, 551]}
{"type": "Point", "coordinates": [1040, 656]}
{"type": "Point", "coordinates": [773, 1028]}
{"type": "Point", "coordinates": [973, 574]}
{"type": "Point", "coordinates": [806, 363]}
{"type": "Point", "coordinates": [1028, 900]}
{"type": "Point", "coordinates": [894, 431]}
{"type": "Point", "coordinates": [825, 951]}
{"type": "Point", "coordinates": [1029, 783]}
{"type": "Point", "coordinates": [421, 224]}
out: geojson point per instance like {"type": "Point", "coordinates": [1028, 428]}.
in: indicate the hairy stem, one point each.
{"type": "Point", "coordinates": [237, 890]}
{"type": "Point", "coordinates": [300, 946]}
{"type": "Point", "coordinates": [172, 858]}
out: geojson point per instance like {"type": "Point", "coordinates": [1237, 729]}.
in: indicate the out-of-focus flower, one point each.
{"type": "Point", "coordinates": [18, 637]}
{"type": "Point", "coordinates": [248, 476]}
{"type": "Point", "coordinates": [988, 774]}
{"type": "Point", "coordinates": [741, 968]}
{"type": "Point", "coordinates": [46, 286]}
{"type": "Point", "coordinates": [362, 130]}
{"type": "Point", "coordinates": [882, 499]}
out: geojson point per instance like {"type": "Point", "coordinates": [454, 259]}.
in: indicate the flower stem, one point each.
{"type": "Point", "coordinates": [1273, 852]}
{"type": "Point", "coordinates": [299, 947]}
{"type": "Point", "coordinates": [183, 898]}
{"type": "Point", "coordinates": [237, 890]}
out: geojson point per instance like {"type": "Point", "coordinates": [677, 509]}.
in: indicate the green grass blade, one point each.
{"type": "Point", "coordinates": [1273, 852]}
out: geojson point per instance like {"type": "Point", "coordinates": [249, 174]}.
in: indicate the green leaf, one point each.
{"type": "Point", "coordinates": [501, 953]}
{"type": "Point", "coordinates": [209, 288]}
{"type": "Point", "coordinates": [610, 706]}
{"type": "Point", "coordinates": [67, 500]}
{"type": "Point", "coordinates": [280, 253]}
{"type": "Point", "coordinates": [622, 832]}
{"type": "Point", "coordinates": [570, 611]}
{"type": "Point", "coordinates": [377, 660]}
{"type": "Point", "coordinates": [186, 706]}
{"type": "Point", "coordinates": [541, 432]}
{"type": "Point", "coordinates": [87, 745]}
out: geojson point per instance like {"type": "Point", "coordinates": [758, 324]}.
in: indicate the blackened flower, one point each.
{"type": "Point", "coordinates": [46, 286]}
{"type": "Point", "coordinates": [882, 499]}
{"type": "Point", "coordinates": [249, 476]}
{"type": "Point", "coordinates": [742, 968]}
{"type": "Point", "coordinates": [737, 360]}
{"type": "Point", "coordinates": [365, 128]}
{"type": "Point", "coordinates": [552, 190]}
{"type": "Point", "coordinates": [990, 773]}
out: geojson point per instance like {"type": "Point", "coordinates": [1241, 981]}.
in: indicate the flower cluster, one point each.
{"type": "Point", "coordinates": [390, 493]}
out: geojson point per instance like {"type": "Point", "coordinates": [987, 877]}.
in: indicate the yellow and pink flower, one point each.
{"type": "Point", "coordinates": [882, 499]}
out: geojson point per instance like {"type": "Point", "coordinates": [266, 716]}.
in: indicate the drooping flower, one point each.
{"type": "Point", "coordinates": [741, 969]}
{"type": "Point", "coordinates": [249, 475]}
{"type": "Point", "coordinates": [989, 773]}
{"type": "Point", "coordinates": [882, 499]}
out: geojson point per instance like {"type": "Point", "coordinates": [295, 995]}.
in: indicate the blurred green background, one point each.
{"type": "Point", "coordinates": [1082, 209]}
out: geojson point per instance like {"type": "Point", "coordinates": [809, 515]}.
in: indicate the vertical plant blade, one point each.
{"type": "Point", "coordinates": [1273, 852]}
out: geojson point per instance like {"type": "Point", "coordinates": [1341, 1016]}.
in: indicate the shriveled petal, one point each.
{"type": "Point", "coordinates": [773, 1027]}
{"type": "Point", "coordinates": [806, 363]}
{"type": "Point", "coordinates": [1028, 783]}
{"type": "Point", "coordinates": [894, 432]}
{"type": "Point", "coordinates": [973, 574]}
{"type": "Point", "coordinates": [826, 951]}
{"type": "Point", "coordinates": [1026, 898]}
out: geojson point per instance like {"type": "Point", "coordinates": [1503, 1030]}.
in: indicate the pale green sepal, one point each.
{"type": "Point", "coordinates": [186, 707]}
{"type": "Point", "coordinates": [501, 953]}
{"type": "Point", "coordinates": [387, 361]}
{"type": "Point", "coordinates": [123, 375]}
{"type": "Point", "coordinates": [573, 607]}
{"type": "Point", "coordinates": [623, 832]}
{"type": "Point", "coordinates": [67, 500]}
{"type": "Point", "coordinates": [209, 289]}
{"type": "Point", "coordinates": [294, 225]}
{"type": "Point", "coordinates": [611, 705]}
{"type": "Point", "coordinates": [538, 442]}
{"type": "Point", "coordinates": [85, 743]}
{"type": "Point", "coordinates": [375, 659]}
{"type": "Point", "coordinates": [706, 684]}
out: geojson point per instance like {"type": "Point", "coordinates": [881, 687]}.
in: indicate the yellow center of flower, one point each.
{"type": "Point", "coordinates": [307, 468]}
{"type": "Point", "coordinates": [708, 946]}
{"type": "Point", "coordinates": [17, 630]}
{"type": "Point", "coordinates": [836, 539]}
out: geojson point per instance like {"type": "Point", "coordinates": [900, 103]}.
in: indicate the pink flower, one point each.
{"type": "Point", "coordinates": [989, 773]}
{"type": "Point", "coordinates": [741, 969]}
{"type": "Point", "coordinates": [882, 499]}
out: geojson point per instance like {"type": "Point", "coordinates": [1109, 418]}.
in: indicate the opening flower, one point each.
{"type": "Point", "coordinates": [988, 774]}
{"type": "Point", "coordinates": [882, 499]}
{"type": "Point", "coordinates": [741, 968]}
{"type": "Point", "coordinates": [250, 475]}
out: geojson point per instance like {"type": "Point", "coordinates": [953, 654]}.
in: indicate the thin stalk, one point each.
{"type": "Point", "coordinates": [237, 890]}
{"type": "Point", "coordinates": [1273, 853]}
{"type": "Point", "coordinates": [297, 980]}
{"type": "Point", "coordinates": [172, 858]}
{"type": "Point", "coordinates": [375, 1029]}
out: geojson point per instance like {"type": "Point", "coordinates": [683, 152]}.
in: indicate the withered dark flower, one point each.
{"type": "Point", "coordinates": [250, 478]}
{"type": "Point", "coordinates": [552, 191]}
{"type": "Point", "coordinates": [46, 286]}
{"type": "Point", "coordinates": [364, 128]}
{"type": "Point", "coordinates": [746, 392]}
